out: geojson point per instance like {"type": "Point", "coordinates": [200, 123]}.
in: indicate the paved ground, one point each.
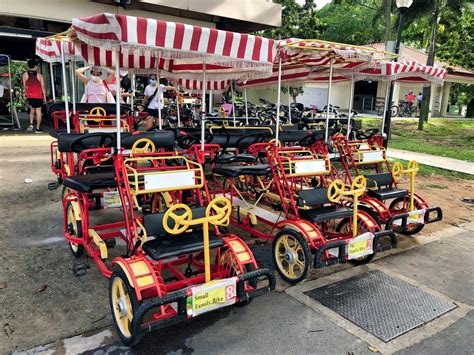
{"type": "Point", "coordinates": [460, 166]}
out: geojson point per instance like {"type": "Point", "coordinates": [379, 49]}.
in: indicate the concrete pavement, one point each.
{"type": "Point", "coordinates": [460, 166]}
{"type": "Point", "coordinates": [277, 323]}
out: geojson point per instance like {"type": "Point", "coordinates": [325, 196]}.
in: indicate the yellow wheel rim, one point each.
{"type": "Point", "coordinates": [290, 256]}
{"type": "Point", "coordinates": [122, 307]}
{"type": "Point", "coordinates": [71, 220]}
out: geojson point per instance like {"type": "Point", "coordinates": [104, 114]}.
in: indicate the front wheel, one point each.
{"type": "Point", "coordinates": [123, 303]}
{"type": "Point", "coordinates": [402, 204]}
{"type": "Point", "coordinates": [292, 256]}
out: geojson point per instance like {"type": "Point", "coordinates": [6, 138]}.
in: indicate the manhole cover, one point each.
{"type": "Point", "coordinates": [382, 305]}
{"type": "Point", "coordinates": [263, 255]}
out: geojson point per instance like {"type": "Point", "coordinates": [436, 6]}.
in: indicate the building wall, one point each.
{"type": "Point", "coordinates": [64, 10]}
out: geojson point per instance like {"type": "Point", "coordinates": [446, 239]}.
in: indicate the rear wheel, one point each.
{"type": "Point", "coordinates": [124, 304]}
{"type": "Point", "coordinates": [292, 256]}
{"type": "Point", "coordinates": [402, 204]}
{"type": "Point", "coordinates": [74, 227]}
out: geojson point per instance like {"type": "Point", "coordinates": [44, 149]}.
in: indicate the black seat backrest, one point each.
{"type": "Point", "coordinates": [162, 139]}
{"type": "Point", "coordinates": [65, 141]}
{"type": "Point", "coordinates": [153, 223]}
{"type": "Point", "coordinates": [313, 197]}
{"type": "Point", "coordinates": [381, 179]}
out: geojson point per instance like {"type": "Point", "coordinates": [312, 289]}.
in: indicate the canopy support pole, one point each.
{"type": "Point", "coordinates": [246, 108]}
{"type": "Point", "coordinates": [386, 107]}
{"type": "Point", "coordinates": [66, 103]}
{"type": "Point", "coordinates": [278, 104]}
{"type": "Point", "coordinates": [53, 88]}
{"type": "Point", "coordinates": [233, 102]}
{"type": "Point", "coordinates": [289, 104]}
{"type": "Point", "coordinates": [73, 84]}
{"type": "Point", "coordinates": [117, 97]}
{"type": "Point", "coordinates": [203, 107]}
{"type": "Point", "coordinates": [178, 110]}
{"type": "Point", "coordinates": [210, 101]}
{"type": "Point", "coordinates": [132, 97]}
{"type": "Point", "coordinates": [326, 134]}
{"type": "Point", "coordinates": [158, 93]}
{"type": "Point", "coordinates": [351, 99]}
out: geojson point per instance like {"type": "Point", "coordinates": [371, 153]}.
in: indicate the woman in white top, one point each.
{"type": "Point", "coordinates": [96, 90]}
{"type": "Point", "coordinates": [154, 100]}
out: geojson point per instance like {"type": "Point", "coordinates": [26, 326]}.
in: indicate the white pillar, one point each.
{"type": "Point", "coordinates": [387, 105]}
{"type": "Point", "coordinates": [246, 108]}
{"type": "Point", "coordinates": [158, 93]}
{"type": "Point", "coordinates": [117, 96]}
{"type": "Point", "coordinates": [53, 88]}
{"type": "Point", "coordinates": [203, 107]}
{"type": "Point", "coordinates": [445, 98]}
{"type": "Point", "coordinates": [326, 134]}
{"type": "Point", "coordinates": [66, 103]}
{"type": "Point", "coordinates": [351, 100]}
{"type": "Point", "coordinates": [277, 129]}
{"type": "Point", "coordinates": [289, 104]}
{"type": "Point", "coordinates": [233, 102]}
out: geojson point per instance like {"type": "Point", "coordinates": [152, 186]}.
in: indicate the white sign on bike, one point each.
{"type": "Point", "coordinates": [414, 217]}
{"type": "Point", "coordinates": [210, 296]}
{"type": "Point", "coordinates": [372, 157]}
{"type": "Point", "coordinates": [360, 246]}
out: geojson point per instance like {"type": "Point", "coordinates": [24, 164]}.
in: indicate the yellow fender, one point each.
{"type": "Point", "coordinates": [138, 270]}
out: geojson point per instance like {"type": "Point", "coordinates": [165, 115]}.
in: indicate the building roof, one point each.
{"type": "Point", "coordinates": [410, 53]}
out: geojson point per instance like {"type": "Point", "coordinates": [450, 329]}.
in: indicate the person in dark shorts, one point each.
{"type": "Point", "coordinates": [154, 100]}
{"type": "Point", "coordinates": [33, 84]}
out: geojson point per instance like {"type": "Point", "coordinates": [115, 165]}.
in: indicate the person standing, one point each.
{"type": "Point", "coordinates": [154, 100]}
{"type": "Point", "coordinates": [33, 84]}
{"type": "Point", "coordinates": [419, 98]}
{"type": "Point", "coordinates": [96, 90]}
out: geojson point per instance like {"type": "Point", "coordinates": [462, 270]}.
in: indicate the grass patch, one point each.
{"type": "Point", "coordinates": [436, 186]}
{"type": "Point", "coordinates": [441, 136]}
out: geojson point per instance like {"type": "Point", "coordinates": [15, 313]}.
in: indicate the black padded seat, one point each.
{"type": "Point", "coordinates": [90, 141]}
{"type": "Point", "coordinates": [239, 170]}
{"type": "Point", "coordinates": [173, 245]}
{"type": "Point", "coordinates": [313, 197]}
{"type": "Point", "coordinates": [87, 183]}
{"type": "Point", "coordinates": [235, 158]}
{"type": "Point", "coordinates": [161, 139]}
{"type": "Point", "coordinates": [387, 194]}
{"type": "Point", "coordinates": [327, 213]}
{"type": "Point", "coordinates": [379, 180]}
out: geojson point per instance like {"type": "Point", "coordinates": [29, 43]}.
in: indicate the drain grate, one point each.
{"type": "Point", "coordinates": [382, 305]}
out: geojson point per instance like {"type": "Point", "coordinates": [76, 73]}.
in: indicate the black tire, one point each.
{"type": "Point", "coordinates": [380, 110]}
{"type": "Point", "coordinates": [394, 110]}
{"type": "Point", "coordinates": [253, 283]}
{"type": "Point", "coordinates": [306, 255]}
{"type": "Point", "coordinates": [132, 339]}
{"type": "Point", "coordinates": [413, 230]}
{"type": "Point", "coordinates": [363, 260]}
{"type": "Point", "coordinates": [75, 228]}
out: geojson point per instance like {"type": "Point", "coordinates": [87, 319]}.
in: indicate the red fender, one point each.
{"type": "Point", "coordinates": [312, 234]}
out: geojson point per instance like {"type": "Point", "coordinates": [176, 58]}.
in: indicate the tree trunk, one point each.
{"type": "Point", "coordinates": [425, 105]}
{"type": "Point", "coordinates": [388, 19]}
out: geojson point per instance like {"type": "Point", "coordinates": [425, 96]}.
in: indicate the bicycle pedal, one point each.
{"type": "Point", "coordinates": [52, 186]}
{"type": "Point", "coordinates": [79, 267]}
{"type": "Point", "coordinates": [110, 243]}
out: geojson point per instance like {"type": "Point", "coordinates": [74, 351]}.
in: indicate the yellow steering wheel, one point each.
{"type": "Point", "coordinates": [359, 184]}
{"type": "Point", "coordinates": [143, 145]}
{"type": "Point", "coordinates": [181, 220]}
{"type": "Point", "coordinates": [97, 111]}
{"type": "Point", "coordinates": [218, 211]}
{"type": "Point", "coordinates": [336, 190]}
{"type": "Point", "coordinates": [412, 166]}
{"type": "Point", "coordinates": [397, 171]}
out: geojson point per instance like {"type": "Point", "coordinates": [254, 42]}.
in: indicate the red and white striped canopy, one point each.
{"type": "Point", "coordinates": [196, 85]}
{"type": "Point", "coordinates": [317, 53]}
{"type": "Point", "coordinates": [406, 71]}
{"type": "Point", "coordinates": [185, 44]}
{"type": "Point", "coordinates": [50, 50]}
